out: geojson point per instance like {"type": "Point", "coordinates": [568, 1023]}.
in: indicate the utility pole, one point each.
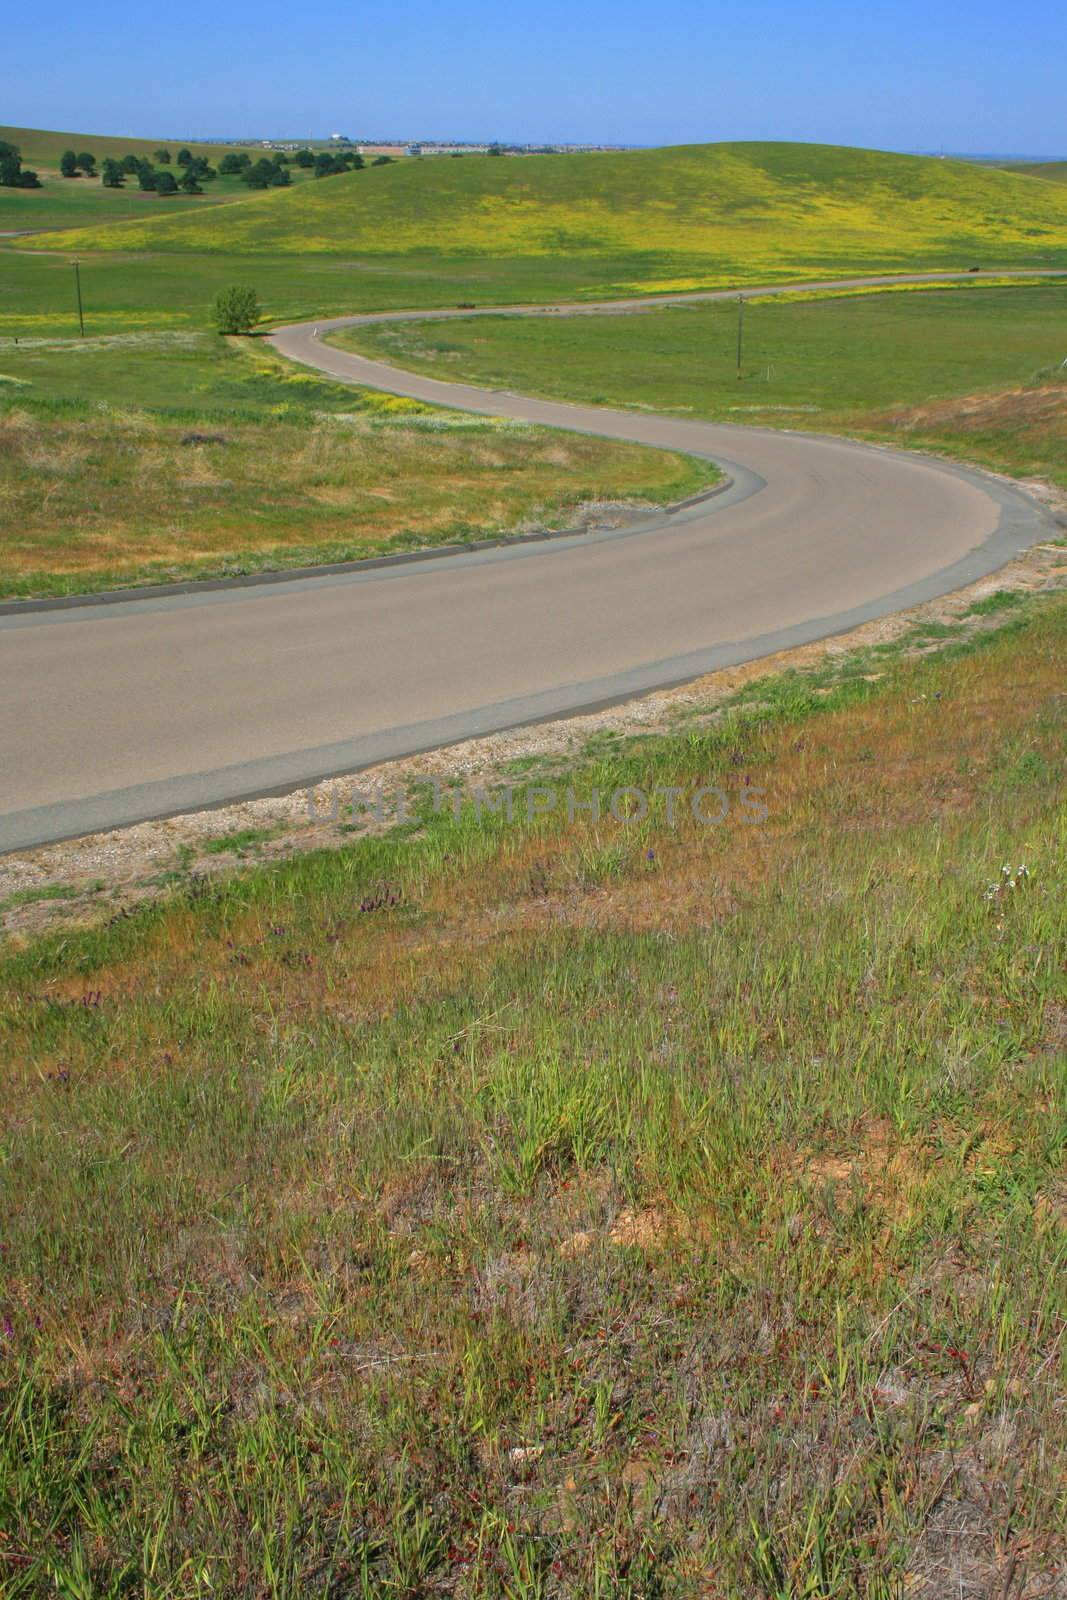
{"type": "Point", "coordinates": [78, 286]}
{"type": "Point", "coordinates": [740, 331]}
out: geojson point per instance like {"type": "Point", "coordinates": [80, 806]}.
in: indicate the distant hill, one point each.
{"type": "Point", "coordinates": [84, 203]}
{"type": "Point", "coordinates": [1051, 171]}
{"type": "Point", "coordinates": [742, 209]}
{"type": "Point", "coordinates": [42, 147]}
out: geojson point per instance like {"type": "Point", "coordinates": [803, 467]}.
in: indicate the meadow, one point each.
{"type": "Point", "coordinates": [972, 371]}
{"type": "Point", "coordinates": [143, 457]}
{"type": "Point", "coordinates": [511, 1209]}
{"type": "Point", "coordinates": [124, 292]}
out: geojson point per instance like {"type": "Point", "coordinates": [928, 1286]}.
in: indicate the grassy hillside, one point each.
{"type": "Point", "coordinates": [42, 147]}
{"type": "Point", "coordinates": [1051, 171]}
{"type": "Point", "coordinates": [84, 202]}
{"type": "Point", "coordinates": [523, 1211]}
{"type": "Point", "coordinates": [742, 210]}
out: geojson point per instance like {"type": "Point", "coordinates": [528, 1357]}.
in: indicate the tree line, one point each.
{"type": "Point", "coordinates": [273, 171]}
{"type": "Point", "coordinates": [194, 170]}
{"type": "Point", "coordinates": [268, 172]}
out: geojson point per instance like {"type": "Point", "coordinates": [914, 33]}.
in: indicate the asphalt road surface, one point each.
{"type": "Point", "coordinates": [114, 712]}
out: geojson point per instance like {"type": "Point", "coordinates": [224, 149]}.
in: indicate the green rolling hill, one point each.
{"type": "Point", "coordinates": [84, 202]}
{"type": "Point", "coordinates": [1051, 171]}
{"type": "Point", "coordinates": [42, 147]}
{"type": "Point", "coordinates": [744, 210]}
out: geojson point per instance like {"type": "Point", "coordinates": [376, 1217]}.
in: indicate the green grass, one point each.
{"type": "Point", "coordinates": [31, 896]}
{"type": "Point", "coordinates": [1001, 600]}
{"type": "Point", "coordinates": [237, 843]}
{"type": "Point", "coordinates": [873, 350]}
{"type": "Point", "coordinates": [141, 457]}
{"type": "Point", "coordinates": [692, 214]}
{"type": "Point", "coordinates": [176, 371]}
{"type": "Point", "coordinates": [125, 292]}
{"type": "Point", "coordinates": [636, 1211]}
{"type": "Point", "coordinates": [873, 363]}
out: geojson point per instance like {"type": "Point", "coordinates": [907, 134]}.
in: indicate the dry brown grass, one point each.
{"type": "Point", "coordinates": [1043, 407]}
{"type": "Point", "coordinates": [117, 497]}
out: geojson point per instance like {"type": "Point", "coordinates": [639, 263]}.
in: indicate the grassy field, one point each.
{"type": "Point", "coordinates": [892, 365]}
{"type": "Point", "coordinates": [124, 291]}
{"type": "Point", "coordinates": [535, 1210]}
{"type": "Point", "coordinates": [702, 213]}
{"type": "Point", "coordinates": [152, 457]}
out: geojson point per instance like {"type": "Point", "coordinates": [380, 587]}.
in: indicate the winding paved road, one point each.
{"type": "Point", "coordinates": [114, 712]}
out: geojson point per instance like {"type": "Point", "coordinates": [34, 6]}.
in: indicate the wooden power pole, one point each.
{"type": "Point", "coordinates": [740, 331]}
{"type": "Point", "coordinates": [78, 286]}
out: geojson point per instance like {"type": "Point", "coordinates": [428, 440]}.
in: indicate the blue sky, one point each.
{"type": "Point", "coordinates": [969, 76]}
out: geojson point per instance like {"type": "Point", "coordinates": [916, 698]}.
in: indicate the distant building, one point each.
{"type": "Point", "coordinates": [393, 150]}
{"type": "Point", "coordinates": [429, 148]}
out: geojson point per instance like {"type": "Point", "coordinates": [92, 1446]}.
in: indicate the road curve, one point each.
{"type": "Point", "coordinates": [153, 705]}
